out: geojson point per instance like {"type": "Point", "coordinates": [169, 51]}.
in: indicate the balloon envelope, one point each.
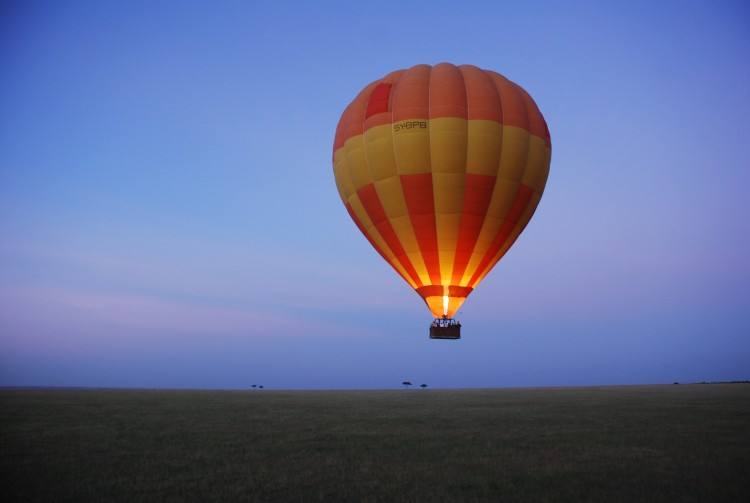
{"type": "Point", "coordinates": [441, 168]}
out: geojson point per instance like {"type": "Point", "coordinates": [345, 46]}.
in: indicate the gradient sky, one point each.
{"type": "Point", "coordinates": [169, 218]}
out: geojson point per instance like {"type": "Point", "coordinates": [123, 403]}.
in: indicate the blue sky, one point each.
{"type": "Point", "coordinates": [168, 215]}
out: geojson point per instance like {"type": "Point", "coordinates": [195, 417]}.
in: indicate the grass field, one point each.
{"type": "Point", "coordinates": [644, 443]}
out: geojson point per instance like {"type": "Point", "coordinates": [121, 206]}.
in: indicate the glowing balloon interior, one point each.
{"type": "Point", "coordinates": [441, 168]}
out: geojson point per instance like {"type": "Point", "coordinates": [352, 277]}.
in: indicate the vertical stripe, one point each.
{"type": "Point", "coordinates": [373, 243]}
{"type": "Point", "coordinates": [382, 164]}
{"type": "Point", "coordinates": [513, 159]}
{"type": "Point", "coordinates": [484, 109]}
{"type": "Point", "coordinates": [448, 143]}
{"type": "Point", "coordinates": [517, 230]}
{"type": "Point", "coordinates": [372, 231]}
{"type": "Point", "coordinates": [391, 196]}
{"type": "Point", "coordinates": [519, 110]}
{"type": "Point", "coordinates": [477, 196]}
{"type": "Point", "coordinates": [358, 213]}
{"type": "Point", "coordinates": [374, 209]}
{"type": "Point", "coordinates": [419, 200]}
{"type": "Point", "coordinates": [410, 101]}
{"type": "Point", "coordinates": [523, 195]}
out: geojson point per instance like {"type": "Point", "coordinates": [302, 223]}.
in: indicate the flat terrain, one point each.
{"type": "Point", "coordinates": [643, 443]}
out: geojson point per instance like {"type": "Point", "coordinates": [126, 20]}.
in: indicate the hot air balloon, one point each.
{"type": "Point", "coordinates": [441, 167]}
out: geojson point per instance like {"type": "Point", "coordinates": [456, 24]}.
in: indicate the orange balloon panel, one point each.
{"type": "Point", "coordinates": [441, 168]}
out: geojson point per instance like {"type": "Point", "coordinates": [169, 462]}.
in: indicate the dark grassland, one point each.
{"type": "Point", "coordinates": [643, 443]}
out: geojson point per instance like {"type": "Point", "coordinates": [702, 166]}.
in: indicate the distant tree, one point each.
{"type": "Point", "coordinates": [406, 384]}
{"type": "Point", "coordinates": [423, 386]}
{"type": "Point", "coordinates": [255, 385]}
{"type": "Point", "coordinates": [260, 387]}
